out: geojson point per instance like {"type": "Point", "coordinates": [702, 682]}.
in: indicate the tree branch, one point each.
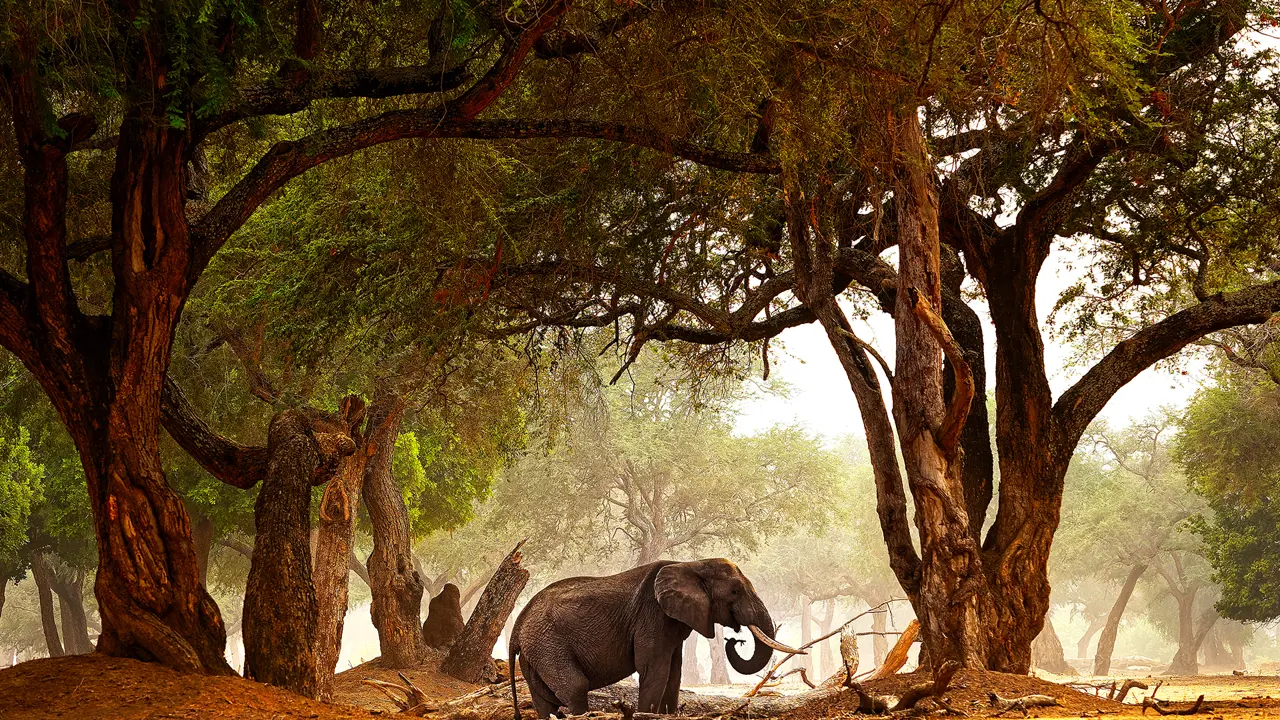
{"type": "Point", "coordinates": [1083, 401]}
{"type": "Point", "coordinates": [232, 463]}
{"type": "Point", "coordinates": [287, 160]}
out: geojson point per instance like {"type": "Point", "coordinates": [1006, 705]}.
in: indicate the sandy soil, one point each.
{"type": "Point", "coordinates": [95, 686]}
{"type": "Point", "coordinates": [92, 686]}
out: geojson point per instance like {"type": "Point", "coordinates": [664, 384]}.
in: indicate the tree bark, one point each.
{"type": "Point", "coordinates": [394, 582]}
{"type": "Point", "coordinates": [1107, 641]}
{"type": "Point", "coordinates": [43, 576]}
{"type": "Point", "coordinates": [951, 573]}
{"type": "Point", "coordinates": [69, 586]}
{"type": "Point", "coordinates": [719, 661]}
{"type": "Point", "coordinates": [1047, 654]}
{"type": "Point", "coordinates": [471, 658]}
{"type": "Point", "coordinates": [281, 610]}
{"type": "Point", "coordinates": [334, 540]}
{"type": "Point", "coordinates": [897, 657]}
{"type": "Point", "coordinates": [690, 668]}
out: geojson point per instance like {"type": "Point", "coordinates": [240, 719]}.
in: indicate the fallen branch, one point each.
{"type": "Point", "coordinates": [414, 703]}
{"type": "Point", "coordinates": [1125, 688]}
{"type": "Point", "coordinates": [897, 657]}
{"type": "Point", "coordinates": [916, 693]}
{"type": "Point", "coordinates": [1158, 706]}
{"type": "Point", "coordinates": [1022, 704]}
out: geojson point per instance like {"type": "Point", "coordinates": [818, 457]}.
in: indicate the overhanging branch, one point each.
{"type": "Point", "coordinates": [1084, 400]}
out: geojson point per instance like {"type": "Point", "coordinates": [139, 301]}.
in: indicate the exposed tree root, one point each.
{"type": "Point", "coordinates": [916, 693]}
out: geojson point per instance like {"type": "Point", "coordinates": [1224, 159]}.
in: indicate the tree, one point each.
{"type": "Point", "coordinates": [1227, 449]}
{"type": "Point", "coordinates": [182, 82]}
{"type": "Point", "coordinates": [1056, 163]}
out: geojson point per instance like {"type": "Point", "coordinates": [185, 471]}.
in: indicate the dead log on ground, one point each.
{"type": "Point", "coordinates": [1159, 707]}
{"type": "Point", "coordinates": [413, 704]}
{"type": "Point", "coordinates": [916, 693]}
{"type": "Point", "coordinates": [471, 658]}
{"type": "Point", "coordinates": [696, 705]}
{"type": "Point", "coordinates": [1022, 704]}
{"type": "Point", "coordinates": [897, 657]}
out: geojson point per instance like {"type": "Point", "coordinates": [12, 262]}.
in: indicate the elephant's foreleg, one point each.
{"type": "Point", "coordinates": [671, 698]}
{"type": "Point", "coordinates": [654, 677]}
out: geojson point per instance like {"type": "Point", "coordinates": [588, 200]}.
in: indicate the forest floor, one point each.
{"type": "Point", "coordinates": [94, 686]}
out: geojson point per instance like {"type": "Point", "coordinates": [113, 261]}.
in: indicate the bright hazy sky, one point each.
{"type": "Point", "coordinates": [822, 402]}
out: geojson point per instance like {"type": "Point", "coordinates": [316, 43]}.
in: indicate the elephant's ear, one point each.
{"type": "Point", "coordinates": [682, 596]}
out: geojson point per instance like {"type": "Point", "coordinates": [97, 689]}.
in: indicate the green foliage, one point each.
{"type": "Point", "coordinates": [21, 481]}
{"type": "Point", "coordinates": [1228, 448]}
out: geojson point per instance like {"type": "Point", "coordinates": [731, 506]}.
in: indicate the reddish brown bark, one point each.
{"type": "Point", "coordinates": [280, 606]}
{"type": "Point", "coordinates": [394, 582]}
{"type": "Point", "coordinates": [335, 537]}
{"type": "Point", "coordinates": [471, 658]}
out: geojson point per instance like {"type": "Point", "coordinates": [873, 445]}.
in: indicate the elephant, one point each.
{"type": "Point", "coordinates": [584, 633]}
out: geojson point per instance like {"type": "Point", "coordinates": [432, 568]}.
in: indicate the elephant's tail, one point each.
{"type": "Point", "coordinates": [512, 651]}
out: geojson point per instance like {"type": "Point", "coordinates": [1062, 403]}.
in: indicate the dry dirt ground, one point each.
{"type": "Point", "coordinates": [92, 686]}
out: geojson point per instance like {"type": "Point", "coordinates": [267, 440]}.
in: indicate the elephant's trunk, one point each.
{"type": "Point", "coordinates": [757, 618]}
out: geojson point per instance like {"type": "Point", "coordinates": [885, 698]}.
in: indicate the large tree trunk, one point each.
{"type": "Point", "coordinates": [394, 582]}
{"type": "Point", "coordinates": [951, 580]}
{"type": "Point", "coordinates": [1107, 641]}
{"type": "Point", "coordinates": [43, 575]}
{"type": "Point", "coordinates": [1191, 636]}
{"type": "Point", "coordinates": [334, 540]}
{"type": "Point", "coordinates": [69, 585]}
{"type": "Point", "coordinates": [281, 611]}
{"type": "Point", "coordinates": [202, 531]}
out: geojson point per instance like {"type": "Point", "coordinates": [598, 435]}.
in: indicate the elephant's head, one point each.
{"type": "Point", "coordinates": [706, 593]}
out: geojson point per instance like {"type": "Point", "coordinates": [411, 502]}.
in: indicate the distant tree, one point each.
{"type": "Point", "coordinates": [1229, 449]}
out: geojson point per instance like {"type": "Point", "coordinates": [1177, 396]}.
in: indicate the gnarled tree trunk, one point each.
{"type": "Point", "coordinates": [394, 582]}
{"type": "Point", "coordinates": [334, 539]}
{"type": "Point", "coordinates": [281, 611]}
{"type": "Point", "coordinates": [471, 658]}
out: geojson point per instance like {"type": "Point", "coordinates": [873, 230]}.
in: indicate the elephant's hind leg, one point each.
{"type": "Point", "coordinates": [545, 701]}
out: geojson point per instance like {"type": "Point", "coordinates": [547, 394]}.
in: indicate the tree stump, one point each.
{"type": "Point", "coordinates": [444, 618]}
{"type": "Point", "coordinates": [471, 658]}
{"type": "Point", "coordinates": [897, 657]}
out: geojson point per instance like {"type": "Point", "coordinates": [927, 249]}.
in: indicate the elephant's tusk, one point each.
{"type": "Point", "coordinates": [774, 643]}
